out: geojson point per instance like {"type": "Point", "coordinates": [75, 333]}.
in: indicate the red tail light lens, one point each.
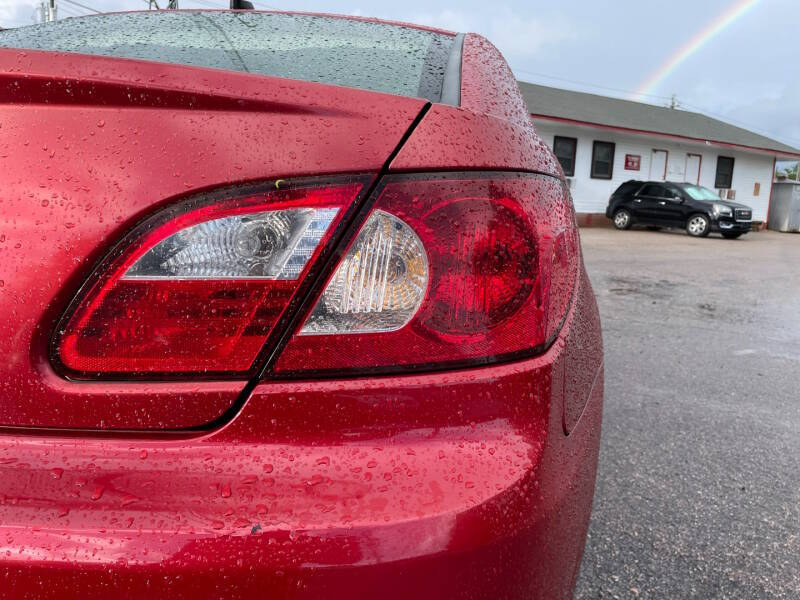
{"type": "Point", "coordinates": [198, 288]}
{"type": "Point", "coordinates": [500, 256]}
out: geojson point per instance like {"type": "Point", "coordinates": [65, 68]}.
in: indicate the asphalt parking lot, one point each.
{"type": "Point", "coordinates": [698, 491]}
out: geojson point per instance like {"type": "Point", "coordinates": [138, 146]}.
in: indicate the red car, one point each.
{"type": "Point", "coordinates": [293, 307]}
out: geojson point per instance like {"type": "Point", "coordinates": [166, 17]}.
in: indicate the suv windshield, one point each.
{"type": "Point", "coordinates": [698, 192]}
{"type": "Point", "coordinates": [371, 56]}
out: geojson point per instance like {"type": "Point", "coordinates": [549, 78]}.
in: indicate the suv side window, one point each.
{"type": "Point", "coordinates": [655, 190]}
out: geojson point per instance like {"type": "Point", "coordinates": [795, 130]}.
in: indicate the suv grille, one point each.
{"type": "Point", "coordinates": [743, 214]}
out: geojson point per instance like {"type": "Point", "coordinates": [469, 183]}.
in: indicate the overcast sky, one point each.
{"type": "Point", "coordinates": [749, 74]}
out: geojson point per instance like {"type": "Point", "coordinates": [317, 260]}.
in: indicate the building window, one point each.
{"type": "Point", "coordinates": [602, 160]}
{"type": "Point", "coordinates": [724, 177]}
{"type": "Point", "coordinates": [564, 148]}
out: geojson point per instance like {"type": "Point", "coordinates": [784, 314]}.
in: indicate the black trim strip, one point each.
{"type": "Point", "coordinates": [433, 68]}
{"type": "Point", "coordinates": [283, 331]}
{"type": "Point", "coordinates": [451, 86]}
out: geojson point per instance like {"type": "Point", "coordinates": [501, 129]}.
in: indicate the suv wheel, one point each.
{"type": "Point", "coordinates": [622, 219]}
{"type": "Point", "coordinates": [698, 226]}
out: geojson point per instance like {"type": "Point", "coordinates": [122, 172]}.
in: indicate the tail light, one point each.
{"type": "Point", "coordinates": [446, 270]}
{"type": "Point", "coordinates": [198, 288]}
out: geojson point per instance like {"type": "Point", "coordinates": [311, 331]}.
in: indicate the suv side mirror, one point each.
{"type": "Point", "coordinates": [677, 199]}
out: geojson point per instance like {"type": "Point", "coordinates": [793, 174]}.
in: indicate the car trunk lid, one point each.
{"type": "Point", "coordinates": [92, 145]}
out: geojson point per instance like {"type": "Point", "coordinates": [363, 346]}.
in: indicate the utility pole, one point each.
{"type": "Point", "coordinates": [673, 102]}
{"type": "Point", "coordinates": [46, 12]}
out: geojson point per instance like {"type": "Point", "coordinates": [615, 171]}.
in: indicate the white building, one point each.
{"type": "Point", "coordinates": [602, 142]}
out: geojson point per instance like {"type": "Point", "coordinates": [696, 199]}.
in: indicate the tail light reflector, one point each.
{"type": "Point", "coordinates": [379, 284]}
{"type": "Point", "coordinates": [447, 270]}
{"type": "Point", "coordinates": [198, 288]}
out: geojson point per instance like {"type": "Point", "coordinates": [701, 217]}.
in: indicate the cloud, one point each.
{"type": "Point", "coordinates": [776, 113]}
{"type": "Point", "coordinates": [518, 38]}
{"type": "Point", "coordinates": [445, 19]}
{"type": "Point", "coordinates": [14, 13]}
{"type": "Point", "coordinates": [769, 109]}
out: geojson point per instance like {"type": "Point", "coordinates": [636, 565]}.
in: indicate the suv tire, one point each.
{"type": "Point", "coordinates": [622, 219]}
{"type": "Point", "coordinates": [698, 225]}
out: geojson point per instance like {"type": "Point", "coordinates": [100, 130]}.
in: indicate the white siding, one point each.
{"type": "Point", "coordinates": [591, 195]}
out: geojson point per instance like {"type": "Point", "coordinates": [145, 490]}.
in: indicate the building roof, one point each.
{"type": "Point", "coordinates": [591, 109]}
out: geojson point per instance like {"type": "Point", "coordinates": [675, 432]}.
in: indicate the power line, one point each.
{"type": "Point", "coordinates": [206, 3]}
{"type": "Point", "coordinates": [751, 127]}
{"type": "Point", "coordinates": [225, 4]}
{"type": "Point", "coordinates": [83, 6]}
{"type": "Point", "coordinates": [670, 99]}
{"type": "Point", "coordinates": [267, 6]}
{"type": "Point", "coordinates": [70, 11]}
{"type": "Point", "coordinates": [210, 4]}
{"type": "Point", "coordinates": [587, 84]}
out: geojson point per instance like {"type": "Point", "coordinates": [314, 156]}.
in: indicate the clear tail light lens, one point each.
{"type": "Point", "coordinates": [197, 289]}
{"type": "Point", "coordinates": [273, 244]}
{"type": "Point", "coordinates": [379, 284]}
{"type": "Point", "coordinates": [448, 270]}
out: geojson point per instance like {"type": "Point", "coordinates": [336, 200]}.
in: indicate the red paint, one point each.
{"type": "Point", "coordinates": [458, 483]}
{"type": "Point", "coordinates": [71, 188]}
{"type": "Point", "coordinates": [633, 162]}
{"type": "Point", "coordinates": [482, 480]}
{"type": "Point", "coordinates": [670, 136]}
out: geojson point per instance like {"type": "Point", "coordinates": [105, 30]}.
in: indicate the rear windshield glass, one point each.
{"type": "Point", "coordinates": [384, 58]}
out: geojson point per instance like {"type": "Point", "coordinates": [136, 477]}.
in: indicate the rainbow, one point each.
{"type": "Point", "coordinates": [701, 38]}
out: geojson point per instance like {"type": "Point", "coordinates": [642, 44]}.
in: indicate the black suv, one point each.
{"type": "Point", "coordinates": [665, 204]}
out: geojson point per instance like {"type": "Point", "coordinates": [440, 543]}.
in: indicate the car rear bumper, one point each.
{"type": "Point", "coordinates": [451, 485]}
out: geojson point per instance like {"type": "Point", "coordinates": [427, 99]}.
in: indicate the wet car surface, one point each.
{"type": "Point", "coordinates": [286, 327]}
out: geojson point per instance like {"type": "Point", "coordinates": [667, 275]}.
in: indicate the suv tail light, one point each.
{"type": "Point", "coordinates": [447, 270]}
{"type": "Point", "coordinates": [198, 288]}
